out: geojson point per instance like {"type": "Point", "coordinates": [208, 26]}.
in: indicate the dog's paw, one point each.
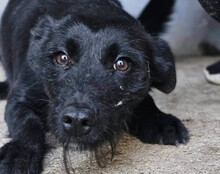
{"type": "Point", "coordinates": [15, 158]}
{"type": "Point", "coordinates": [167, 130]}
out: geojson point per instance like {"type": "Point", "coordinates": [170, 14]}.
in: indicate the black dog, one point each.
{"type": "Point", "coordinates": [81, 69]}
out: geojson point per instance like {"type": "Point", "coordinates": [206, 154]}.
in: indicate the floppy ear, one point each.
{"type": "Point", "coordinates": [162, 67]}
{"type": "Point", "coordinates": [42, 26]}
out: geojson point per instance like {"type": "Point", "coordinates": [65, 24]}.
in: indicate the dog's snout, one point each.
{"type": "Point", "coordinates": [77, 123]}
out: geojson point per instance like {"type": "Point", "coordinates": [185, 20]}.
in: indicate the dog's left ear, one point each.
{"type": "Point", "coordinates": [162, 67]}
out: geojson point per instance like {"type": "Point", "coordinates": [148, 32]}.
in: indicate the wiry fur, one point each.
{"type": "Point", "coordinates": [93, 33]}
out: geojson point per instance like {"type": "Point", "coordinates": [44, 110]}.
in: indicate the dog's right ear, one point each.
{"type": "Point", "coordinates": [42, 26]}
{"type": "Point", "coordinates": [162, 67]}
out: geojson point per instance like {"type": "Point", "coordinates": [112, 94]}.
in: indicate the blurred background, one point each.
{"type": "Point", "coordinates": [191, 32]}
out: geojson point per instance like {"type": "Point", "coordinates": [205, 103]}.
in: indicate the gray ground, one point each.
{"type": "Point", "coordinates": [194, 101]}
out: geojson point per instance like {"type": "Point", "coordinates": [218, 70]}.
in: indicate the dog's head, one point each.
{"type": "Point", "coordinates": [95, 71]}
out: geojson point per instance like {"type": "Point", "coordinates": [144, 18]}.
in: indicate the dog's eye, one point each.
{"type": "Point", "coordinates": [62, 59]}
{"type": "Point", "coordinates": [121, 65]}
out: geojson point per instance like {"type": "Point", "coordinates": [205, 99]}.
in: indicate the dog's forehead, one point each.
{"type": "Point", "coordinates": [101, 38]}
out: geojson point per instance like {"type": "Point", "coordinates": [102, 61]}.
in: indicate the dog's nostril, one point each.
{"type": "Point", "coordinates": [85, 122]}
{"type": "Point", "coordinates": [67, 120]}
{"type": "Point", "coordinates": [77, 123]}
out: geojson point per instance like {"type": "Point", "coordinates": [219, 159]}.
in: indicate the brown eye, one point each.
{"type": "Point", "coordinates": [121, 65]}
{"type": "Point", "coordinates": [62, 59]}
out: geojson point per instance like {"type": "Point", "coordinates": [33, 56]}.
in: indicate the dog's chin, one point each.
{"type": "Point", "coordinates": [86, 142]}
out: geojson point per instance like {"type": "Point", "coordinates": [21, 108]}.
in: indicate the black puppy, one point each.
{"type": "Point", "coordinates": [81, 69]}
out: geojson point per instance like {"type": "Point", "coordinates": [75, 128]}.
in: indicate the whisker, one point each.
{"type": "Point", "coordinates": [43, 100]}
{"type": "Point", "coordinates": [126, 125]}
{"type": "Point", "coordinates": [67, 161]}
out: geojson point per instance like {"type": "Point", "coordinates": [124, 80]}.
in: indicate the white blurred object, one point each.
{"type": "Point", "coordinates": [213, 78]}
{"type": "Point", "coordinates": [190, 26]}
{"type": "Point", "coordinates": [3, 3]}
{"type": "Point", "coordinates": [134, 7]}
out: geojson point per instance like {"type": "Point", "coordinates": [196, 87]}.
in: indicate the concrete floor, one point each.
{"type": "Point", "coordinates": [194, 101]}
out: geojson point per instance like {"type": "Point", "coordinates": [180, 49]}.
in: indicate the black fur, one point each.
{"type": "Point", "coordinates": [93, 33]}
{"type": "Point", "coordinates": [4, 87]}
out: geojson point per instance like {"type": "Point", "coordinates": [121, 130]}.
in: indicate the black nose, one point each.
{"type": "Point", "coordinates": [77, 123]}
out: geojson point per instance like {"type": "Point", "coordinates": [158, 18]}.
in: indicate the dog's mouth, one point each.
{"type": "Point", "coordinates": [89, 140]}
{"type": "Point", "coordinates": [92, 139]}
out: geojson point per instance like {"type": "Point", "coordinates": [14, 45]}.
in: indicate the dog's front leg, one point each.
{"type": "Point", "coordinates": [151, 125]}
{"type": "Point", "coordinates": [25, 152]}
